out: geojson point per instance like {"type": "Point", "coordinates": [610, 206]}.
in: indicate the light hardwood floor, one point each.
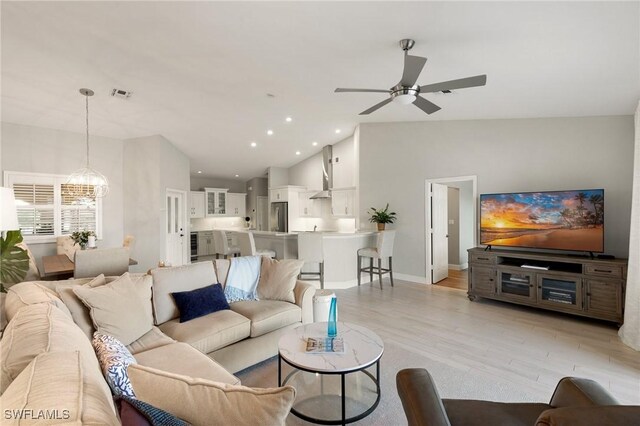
{"type": "Point", "coordinates": [457, 279]}
{"type": "Point", "coordinates": [528, 347]}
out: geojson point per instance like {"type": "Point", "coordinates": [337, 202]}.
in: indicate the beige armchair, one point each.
{"type": "Point", "coordinates": [91, 263]}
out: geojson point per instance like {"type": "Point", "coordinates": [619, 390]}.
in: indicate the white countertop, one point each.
{"type": "Point", "coordinates": [326, 234]}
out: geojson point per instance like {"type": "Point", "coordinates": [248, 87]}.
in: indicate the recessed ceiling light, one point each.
{"type": "Point", "coordinates": [288, 119]}
{"type": "Point", "coordinates": [314, 143]}
{"type": "Point", "coordinates": [270, 132]}
{"type": "Point", "coordinates": [338, 131]}
{"type": "Point", "coordinates": [199, 171]}
{"type": "Point", "coordinates": [253, 144]}
{"type": "Point", "coordinates": [237, 175]}
{"type": "Point", "coordinates": [297, 152]}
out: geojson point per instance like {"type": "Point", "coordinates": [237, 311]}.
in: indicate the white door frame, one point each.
{"type": "Point", "coordinates": [427, 213]}
{"type": "Point", "coordinates": [186, 242]}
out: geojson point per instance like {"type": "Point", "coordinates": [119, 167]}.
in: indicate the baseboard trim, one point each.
{"type": "Point", "coordinates": [411, 278]}
{"type": "Point", "coordinates": [460, 267]}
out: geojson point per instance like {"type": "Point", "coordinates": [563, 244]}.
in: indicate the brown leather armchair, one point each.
{"type": "Point", "coordinates": [575, 402]}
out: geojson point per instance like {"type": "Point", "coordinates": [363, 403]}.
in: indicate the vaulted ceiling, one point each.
{"type": "Point", "coordinates": [200, 72]}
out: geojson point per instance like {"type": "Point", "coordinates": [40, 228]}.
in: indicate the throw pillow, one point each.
{"type": "Point", "coordinates": [79, 312]}
{"type": "Point", "coordinates": [134, 412]}
{"type": "Point", "coordinates": [120, 308]}
{"type": "Point", "coordinates": [200, 302]}
{"type": "Point", "coordinates": [278, 279]}
{"type": "Point", "coordinates": [242, 279]}
{"type": "Point", "coordinates": [114, 359]}
{"type": "Point", "coordinates": [200, 401]}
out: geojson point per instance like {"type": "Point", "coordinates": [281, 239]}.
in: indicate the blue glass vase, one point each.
{"type": "Point", "coordinates": [332, 328]}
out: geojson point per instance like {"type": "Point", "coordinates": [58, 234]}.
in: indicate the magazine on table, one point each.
{"type": "Point", "coordinates": [325, 345]}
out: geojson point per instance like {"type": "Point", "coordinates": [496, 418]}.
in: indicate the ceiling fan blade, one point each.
{"type": "Point", "coordinates": [376, 107]}
{"type": "Point", "coordinates": [425, 105]}
{"type": "Point", "coordinates": [462, 83]}
{"type": "Point", "coordinates": [412, 68]}
{"type": "Point", "coordinates": [341, 90]}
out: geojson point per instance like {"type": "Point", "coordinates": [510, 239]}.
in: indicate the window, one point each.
{"type": "Point", "coordinates": [46, 210]}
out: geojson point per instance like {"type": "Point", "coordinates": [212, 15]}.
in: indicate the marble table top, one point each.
{"type": "Point", "coordinates": [362, 347]}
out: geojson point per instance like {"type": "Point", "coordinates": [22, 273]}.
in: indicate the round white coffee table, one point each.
{"type": "Point", "coordinates": [332, 389]}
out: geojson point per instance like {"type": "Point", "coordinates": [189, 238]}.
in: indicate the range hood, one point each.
{"type": "Point", "coordinates": [327, 174]}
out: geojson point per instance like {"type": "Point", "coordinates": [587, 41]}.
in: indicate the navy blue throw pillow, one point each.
{"type": "Point", "coordinates": [200, 302]}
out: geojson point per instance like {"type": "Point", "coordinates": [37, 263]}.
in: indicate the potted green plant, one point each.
{"type": "Point", "coordinates": [82, 238]}
{"type": "Point", "coordinates": [14, 260]}
{"type": "Point", "coordinates": [381, 217]}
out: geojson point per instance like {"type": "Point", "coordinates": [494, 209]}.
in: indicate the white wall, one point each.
{"type": "Point", "coordinates": [39, 150]}
{"type": "Point", "coordinates": [151, 165]}
{"type": "Point", "coordinates": [198, 183]}
{"type": "Point", "coordinates": [277, 176]}
{"type": "Point", "coordinates": [506, 155]}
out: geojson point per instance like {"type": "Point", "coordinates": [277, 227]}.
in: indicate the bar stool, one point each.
{"type": "Point", "coordinates": [383, 248]}
{"type": "Point", "coordinates": [311, 250]}
{"type": "Point", "coordinates": [247, 245]}
{"type": "Point", "coordinates": [221, 244]}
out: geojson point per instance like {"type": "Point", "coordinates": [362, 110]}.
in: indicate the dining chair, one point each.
{"type": "Point", "coordinates": [383, 249]}
{"type": "Point", "coordinates": [311, 250]}
{"type": "Point", "coordinates": [110, 262]}
{"type": "Point", "coordinates": [247, 245]}
{"type": "Point", "coordinates": [222, 246]}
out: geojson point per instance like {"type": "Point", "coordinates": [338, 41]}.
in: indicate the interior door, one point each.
{"type": "Point", "coordinates": [439, 233]}
{"type": "Point", "coordinates": [262, 213]}
{"type": "Point", "coordinates": [175, 253]}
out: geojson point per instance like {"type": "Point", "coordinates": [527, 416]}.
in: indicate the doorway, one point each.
{"type": "Point", "coordinates": [176, 246]}
{"type": "Point", "coordinates": [262, 213]}
{"type": "Point", "coordinates": [451, 228]}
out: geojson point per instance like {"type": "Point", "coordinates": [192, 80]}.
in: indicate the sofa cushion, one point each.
{"type": "Point", "coordinates": [44, 328]}
{"type": "Point", "coordinates": [180, 278]}
{"type": "Point", "coordinates": [278, 278]}
{"type": "Point", "coordinates": [209, 332]}
{"type": "Point", "coordinates": [55, 383]}
{"type": "Point", "coordinates": [79, 311]}
{"type": "Point", "coordinates": [201, 402]}
{"type": "Point", "coordinates": [191, 363]}
{"type": "Point", "coordinates": [120, 309]}
{"type": "Point", "coordinates": [200, 302]}
{"type": "Point", "coordinates": [268, 315]}
{"type": "Point", "coordinates": [151, 340]}
{"type": "Point", "coordinates": [462, 411]}
{"type": "Point", "coordinates": [114, 358]}
{"type": "Point", "coordinates": [30, 293]}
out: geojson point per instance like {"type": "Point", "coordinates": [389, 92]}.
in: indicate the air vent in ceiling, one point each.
{"type": "Point", "coordinates": [119, 93]}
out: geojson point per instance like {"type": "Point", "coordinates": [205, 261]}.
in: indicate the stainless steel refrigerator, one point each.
{"type": "Point", "coordinates": [279, 217]}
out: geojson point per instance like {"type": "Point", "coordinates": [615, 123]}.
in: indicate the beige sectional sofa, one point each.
{"type": "Point", "coordinates": [210, 347]}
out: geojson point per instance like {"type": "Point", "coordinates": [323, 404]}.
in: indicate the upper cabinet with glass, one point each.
{"type": "Point", "coordinates": [216, 201]}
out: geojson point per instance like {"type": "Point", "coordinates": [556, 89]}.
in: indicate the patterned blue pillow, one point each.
{"type": "Point", "coordinates": [114, 358]}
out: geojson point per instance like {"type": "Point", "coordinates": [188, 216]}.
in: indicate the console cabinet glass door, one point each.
{"type": "Point", "coordinates": [561, 292]}
{"type": "Point", "coordinates": [516, 285]}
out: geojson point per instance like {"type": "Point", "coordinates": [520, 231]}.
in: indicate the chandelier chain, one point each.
{"type": "Point", "coordinates": [86, 98]}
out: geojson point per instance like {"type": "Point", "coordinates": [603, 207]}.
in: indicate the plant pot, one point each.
{"type": "Point", "coordinates": [380, 226]}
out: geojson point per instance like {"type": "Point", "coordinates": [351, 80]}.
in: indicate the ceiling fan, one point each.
{"type": "Point", "coordinates": [407, 91]}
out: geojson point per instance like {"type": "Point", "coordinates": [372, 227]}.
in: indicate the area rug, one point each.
{"type": "Point", "coordinates": [451, 383]}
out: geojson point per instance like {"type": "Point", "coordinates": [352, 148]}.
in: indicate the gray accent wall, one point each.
{"type": "Point", "coordinates": [255, 188]}
{"type": "Point", "coordinates": [506, 156]}
{"type": "Point", "coordinates": [39, 150]}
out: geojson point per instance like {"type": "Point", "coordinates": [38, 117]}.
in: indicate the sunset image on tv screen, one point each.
{"type": "Point", "coordinates": [563, 220]}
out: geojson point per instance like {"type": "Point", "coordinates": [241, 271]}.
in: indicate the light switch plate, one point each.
{"type": "Point", "coordinates": [452, 222]}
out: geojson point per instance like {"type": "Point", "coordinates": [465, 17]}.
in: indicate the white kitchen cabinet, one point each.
{"type": "Point", "coordinates": [343, 202]}
{"type": "Point", "coordinates": [216, 202]}
{"type": "Point", "coordinates": [205, 244]}
{"type": "Point", "coordinates": [197, 203]}
{"type": "Point", "coordinates": [307, 206]}
{"type": "Point", "coordinates": [236, 204]}
{"type": "Point", "coordinates": [279, 194]}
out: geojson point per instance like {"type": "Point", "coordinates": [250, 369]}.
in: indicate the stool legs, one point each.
{"type": "Point", "coordinates": [371, 269]}
{"type": "Point", "coordinates": [380, 272]}
{"type": "Point", "coordinates": [322, 275]}
{"type": "Point", "coordinates": [391, 270]}
{"type": "Point", "coordinates": [359, 268]}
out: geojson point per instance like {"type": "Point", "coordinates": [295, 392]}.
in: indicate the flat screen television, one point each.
{"type": "Point", "coordinates": [556, 220]}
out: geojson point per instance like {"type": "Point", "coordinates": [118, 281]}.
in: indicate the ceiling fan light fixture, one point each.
{"type": "Point", "coordinates": [405, 99]}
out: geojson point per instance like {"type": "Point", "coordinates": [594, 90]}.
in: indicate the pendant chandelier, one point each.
{"type": "Point", "coordinates": [86, 184]}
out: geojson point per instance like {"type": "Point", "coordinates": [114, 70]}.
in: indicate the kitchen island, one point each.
{"type": "Point", "coordinates": [340, 253]}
